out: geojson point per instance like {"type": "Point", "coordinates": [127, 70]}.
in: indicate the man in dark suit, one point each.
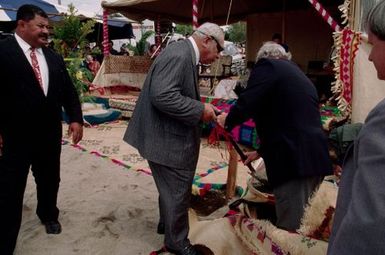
{"type": "Point", "coordinates": [283, 103]}
{"type": "Point", "coordinates": [165, 127]}
{"type": "Point", "coordinates": [359, 220]}
{"type": "Point", "coordinates": [34, 87]}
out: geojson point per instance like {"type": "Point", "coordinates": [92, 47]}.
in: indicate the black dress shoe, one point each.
{"type": "Point", "coordinates": [189, 250]}
{"type": "Point", "coordinates": [52, 227]}
{"type": "Point", "coordinates": [161, 228]}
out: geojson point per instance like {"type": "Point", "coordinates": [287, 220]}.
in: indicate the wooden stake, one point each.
{"type": "Point", "coordinates": [232, 174]}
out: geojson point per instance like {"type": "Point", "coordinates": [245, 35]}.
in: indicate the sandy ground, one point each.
{"type": "Point", "coordinates": [104, 208]}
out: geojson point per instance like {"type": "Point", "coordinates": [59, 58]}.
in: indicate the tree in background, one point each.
{"type": "Point", "coordinates": [141, 46]}
{"type": "Point", "coordinates": [183, 29]}
{"type": "Point", "coordinates": [69, 38]}
{"type": "Point", "coordinates": [69, 35]}
{"type": "Point", "coordinates": [236, 32]}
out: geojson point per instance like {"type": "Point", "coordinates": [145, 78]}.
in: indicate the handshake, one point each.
{"type": "Point", "coordinates": [211, 113]}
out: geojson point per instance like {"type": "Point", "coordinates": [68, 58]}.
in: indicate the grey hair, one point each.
{"type": "Point", "coordinates": [271, 49]}
{"type": "Point", "coordinates": [375, 20]}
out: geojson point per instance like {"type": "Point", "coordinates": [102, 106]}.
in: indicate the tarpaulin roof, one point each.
{"type": "Point", "coordinates": [120, 28]}
{"type": "Point", "coordinates": [9, 8]}
{"type": "Point", "coordinates": [208, 10]}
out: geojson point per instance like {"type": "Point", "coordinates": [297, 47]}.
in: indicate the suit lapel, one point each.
{"type": "Point", "coordinates": [22, 64]}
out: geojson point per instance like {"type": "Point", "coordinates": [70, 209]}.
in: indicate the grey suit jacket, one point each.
{"type": "Point", "coordinates": [359, 222]}
{"type": "Point", "coordinates": [165, 123]}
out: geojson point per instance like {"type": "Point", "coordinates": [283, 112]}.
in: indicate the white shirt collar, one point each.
{"type": "Point", "coordinates": [196, 50]}
{"type": "Point", "coordinates": [25, 46]}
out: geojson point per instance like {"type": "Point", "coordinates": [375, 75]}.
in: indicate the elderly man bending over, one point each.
{"type": "Point", "coordinates": [283, 103]}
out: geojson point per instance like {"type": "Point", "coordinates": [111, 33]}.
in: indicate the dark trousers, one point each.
{"type": "Point", "coordinates": [291, 198]}
{"type": "Point", "coordinates": [174, 187]}
{"type": "Point", "coordinates": [14, 168]}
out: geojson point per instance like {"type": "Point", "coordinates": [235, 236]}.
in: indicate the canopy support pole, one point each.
{"type": "Point", "coordinates": [195, 23]}
{"type": "Point", "coordinates": [325, 15]}
{"type": "Point", "coordinates": [106, 45]}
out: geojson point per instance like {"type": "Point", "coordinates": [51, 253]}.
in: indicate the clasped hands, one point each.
{"type": "Point", "coordinates": [212, 113]}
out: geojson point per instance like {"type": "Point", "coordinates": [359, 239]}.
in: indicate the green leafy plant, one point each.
{"type": "Point", "coordinates": [237, 32]}
{"type": "Point", "coordinates": [70, 34]}
{"type": "Point", "coordinates": [140, 48]}
{"type": "Point", "coordinates": [81, 77]}
{"type": "Point", "coordinates": [69, 37]}
{"type": "Point", "coordinates": [183, 29]}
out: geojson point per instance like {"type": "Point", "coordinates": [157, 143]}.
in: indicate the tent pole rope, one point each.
{"type": "Point", "coordinates": [158, 47]}
{"type": "Point", "coordinates": [228, 12]}
{"type": "Point", "coordinates": [217, 64]}
{"type": "Point", "coordinates": [158, 36]}
{"type": "Point", "coordinates": [283, 21]}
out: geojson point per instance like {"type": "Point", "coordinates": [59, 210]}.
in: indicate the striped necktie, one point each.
{"type": "Point", "coordinates": [35, 67]}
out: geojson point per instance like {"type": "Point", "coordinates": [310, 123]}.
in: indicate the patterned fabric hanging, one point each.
{"type": "Point", "coordinates": [347, 42]}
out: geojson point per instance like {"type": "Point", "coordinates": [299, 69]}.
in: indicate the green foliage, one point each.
{"type": "Point", "coordinates": [81, 78]}
{"type": "Point", "coordinates": [140, 48]}
{"type": "Point", "coordinates": [183, 29]}
{"type": "Point", "coordinates": [70, 34]}
{"type": "Point", "coordinates": [69, 37]}
{"type": "Point", "coordinates": [237, 32]}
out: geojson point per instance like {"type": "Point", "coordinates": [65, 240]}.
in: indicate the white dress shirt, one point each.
{"type": "Point", "coordinates": [196, 50]}
{"type": "Point", "coordinates": [40, 58]}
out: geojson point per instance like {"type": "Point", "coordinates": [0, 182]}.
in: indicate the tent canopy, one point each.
{"type": "Point", "coordinates": [180, 11]}
{"type": "Point", "coordinates": [9, 8]}
{"type": "Point", "coordinates": [119, 28]}
{"type": "Point", "coordinates": [114, 32]}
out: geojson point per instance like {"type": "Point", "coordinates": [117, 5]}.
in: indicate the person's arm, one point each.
{"type": "Point", "coordinates": [76, 130]}
{"type": "Point", "coordinates": [72, 107]}
{"type": "Point", "coordinates": [251, 156]}
{"type": "Point", "coordinates": [361, 230]}
{"type": "Point", "coordinates": [166, 90]}
{"type": "Point", "coordinates": [259, 89]}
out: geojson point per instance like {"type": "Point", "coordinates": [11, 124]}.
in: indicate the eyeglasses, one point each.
{"type": "Point", "coordinates": [219, 47]}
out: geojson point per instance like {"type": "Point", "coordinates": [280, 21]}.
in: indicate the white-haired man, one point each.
{"type": "Point", "coordinates": [165, 128]}
{"type": "Point", "coordinates": [283, 103]}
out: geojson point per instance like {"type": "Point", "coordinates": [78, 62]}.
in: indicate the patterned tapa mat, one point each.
{"type": "Point", "coordinates": [106, 140]}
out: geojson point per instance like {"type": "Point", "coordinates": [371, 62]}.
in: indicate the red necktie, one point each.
{"type": "Point", "coordinates": [35, 67]}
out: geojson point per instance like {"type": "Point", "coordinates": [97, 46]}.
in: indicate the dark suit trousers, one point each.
{"type": "Point", "coordinates": [174, 186]}
{"type": "Point", "coordinates": [44, 161]}
{"type": "Point", "coordinates": [291, 198]}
